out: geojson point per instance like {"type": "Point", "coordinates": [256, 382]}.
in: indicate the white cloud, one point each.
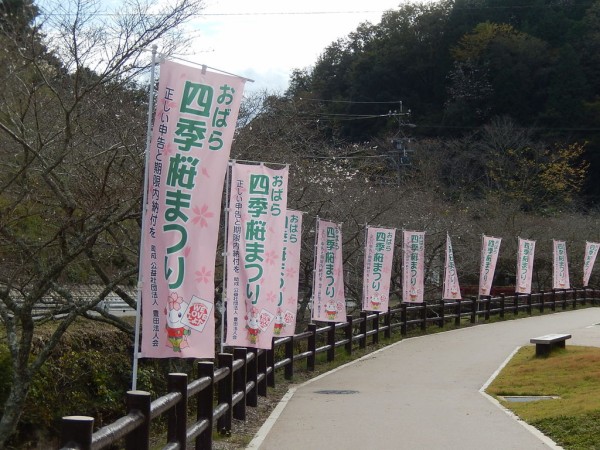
{"type": "Point", "coordinates": [249, 39]}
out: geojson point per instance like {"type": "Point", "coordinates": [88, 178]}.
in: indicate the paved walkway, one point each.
{"type": "Point", "coordinates": [421, 393]}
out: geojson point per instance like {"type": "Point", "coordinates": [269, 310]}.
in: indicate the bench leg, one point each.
{"type": "Point", "coordinates": [542, 349]}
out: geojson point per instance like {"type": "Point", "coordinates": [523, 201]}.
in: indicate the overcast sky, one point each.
{"type": "Point", "coordinates": [266, 39]}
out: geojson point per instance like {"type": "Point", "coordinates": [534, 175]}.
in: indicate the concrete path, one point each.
{"type": "Point", "coordinates": [421, 393]}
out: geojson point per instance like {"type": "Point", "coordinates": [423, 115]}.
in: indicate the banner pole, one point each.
{"type": "Point", "coordinates": [145, 208]}
{"type": "Point", "coordinates": [312, 309]}
{"type": "Point", "coordinates": [225, 248]}
{"type": "Point", "coordinates": [445, 266]}
{"type": "Point", "coordinates": [366, 255]}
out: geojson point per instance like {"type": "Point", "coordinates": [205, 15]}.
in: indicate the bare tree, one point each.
{"type": "Point", "coordinates": [72, 139]}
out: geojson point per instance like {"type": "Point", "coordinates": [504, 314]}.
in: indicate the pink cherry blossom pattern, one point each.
{"type": "Point", "coordinates": [203, 275]}
{"type": "Point", "coordinates": [271, 298]}
{"type": "Point", "coordinates": [270, 257]}
{"type": "Point", "coordinates": [202, 215]}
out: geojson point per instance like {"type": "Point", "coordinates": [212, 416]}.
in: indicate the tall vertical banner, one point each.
{"type": "Point", "coordinates": [591, 251]}
{"type": "Point", "coordinates": [560, 272]}
{"type": "Point", "coordinates": [525, 256]}
{"type": "Point", "coordinates": [195, 118]}
{"type": "Point", "coordinates": [329, 301]}
{"type": "Point", "coordinates": [377, 272]}
{"type": "Point", "coordinates": [287, 305]}
{"type": "Point", "coordinates": [413, 263]}
{"type": "Point", "coordinates": [451, 286]}
{"type": "Point", "coordinates": [490, 248]}
{"type": "Point", "coordinates": [257, 212]}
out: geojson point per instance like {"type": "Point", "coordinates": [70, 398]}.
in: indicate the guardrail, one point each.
{"type": "Point", "coordinates": [240, 377]}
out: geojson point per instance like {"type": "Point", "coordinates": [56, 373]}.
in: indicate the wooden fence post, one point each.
{"type": "Point", "coordinates": [76, 432]}
{"type": "Point", "coordinates": [387, 323]}
{"type": "Point", "coordinates": [553, 307]}
{"type": "Point", "coordinates": [424, 316]}
{"type": "Point", "coordinates": [271, 365]}
{"type": "Point", "coordinates": [529, 309]}
{"type": "Point", "coordinates": [457, 313]}
{"type": "Point", "coordinates": [225, 393]}
{"type": "Point", "coordinates": [542, 299]}
{"type": "Point", "coordinates": [502, 304]}
{"type": "Point", "coordinates": [349, 334]}
{"type": "Point", "coordinates": [574, 298]}
{"type": "Point", "coordinates": [403, 319]}
{"type": "Point", "coordinates": [362, 343]}
{"type": "Point", "coordinates": [312, 347]}
{"type": "Point", "coordinates": [331, 342]}
{"type": "Point", "coordinates": [139, 439]}
{"type": "Point", "coordinates": [442, 319]}
{"type": "Point", "coordinates": [177, 421]}
{"type": "Point", "coordinates": [289, 354]}
{"type": "Point", "coordinates": [252, 376]}
{"type": "Point", "coordinates": [376, 328]}
{"type": "Point", "coordinates": [516, 304]}
{"type": "Point", "coordinates": [474, 305]}
{"type": "Point", "coordinates": [239, 383]}
{"type": "Point", "coordinates": [204, 405]}
{"type": "Point", "coordinates": [262, 369]}
{"type": "Point", "coordinates": [488, 307]}
{"type": "Point", "coordinates": [564, 299]}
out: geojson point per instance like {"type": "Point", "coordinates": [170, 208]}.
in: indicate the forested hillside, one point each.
{"type": "Point", "coordinates": [457, 65]}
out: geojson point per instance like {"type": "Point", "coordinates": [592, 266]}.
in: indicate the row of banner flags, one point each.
{"type": "Point", "coordinates": [196, 113]}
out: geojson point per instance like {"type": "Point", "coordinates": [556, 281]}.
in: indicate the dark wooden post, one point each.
{"type": "Point", "coordinates": [349, 334]}
{"type": "Point", "coordinates": [516, 304]}
{"type": "Point", "coordinates": [262, 370]}
{"type": "Point", "coordinates": [542, 300]}
{"type": "Point", "coordinates": [529, 309]}
{"type": "Point", "coordinates": [271, 365]}
{"type": "Point", "coordinates": [362, 343]}
{"type": "Point", "coordinates": [252, 376]}
{"type": "Point", "coordinates": [387, 323]}
{"type": "Point", "coordinates": [424, 316]}
{"type": "Point", "coordinates": [564, 299]}
{"type": "Point", "coordinates": [331, 342]}
{"type": "Point", "coordinates": [403, 319]}
{"type": "Point", "coordinates": [553, 299]}
{"type": "Point", "coordinates": [139, 439]}
{"type": "Point", "coordinates": [177, 419]}
{"type": "Point", "coordinates": [376, 328]}
{"type": "Point", "coordinates": [204, 404]}
{"type": "Point", "coordinates": [225, 393]}
{"type": "Point", "coordinates": [584, 298]}
{"type": "Point", "coordinates": [312, 347]}
{"type": "Point", "coordinates": [574, 298]}
{"type": "Point", "coordinates": [442, 319]}
{"type": "Point", "coordinates": [502, 305]}
{"type": "Point", "coordinates": [289, 355]}
{"type": "Point", "coordinates": [474, 304]}
{"type": "Point", "coordinates": [457, 313]}
{"type": "Point", "coordinates": [76, 432]}
{"type": "Point", "coordinates": [239, 383]}
{"type": "Point", "coordinates": [488, 307]}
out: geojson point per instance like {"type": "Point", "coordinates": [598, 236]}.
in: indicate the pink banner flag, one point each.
{"type": "Point", "coordinates": [328, 302]}
{"type": "Point", "coordinates": [525, 256]}
{"type": "Point", "coordinates": [451, 286]}
{"type": "Point", "coordinates": [490, 249]}
{"type": "Point", "coordinates": [560, 274]}
{"type": "Point", "coordinates": [413, 281]}
{"type": "Point", "coordinates": [257, 211]}
{"type": "Point", "coordinates": [591, 251]}
{"type": "Point", "coordinates": [379, 255]}
{"type": "Point", "coordinates": [196, 114]}
{"type": "Point", "coordinates": [287, 306]}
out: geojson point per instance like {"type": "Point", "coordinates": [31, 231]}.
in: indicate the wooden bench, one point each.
{"type": "Point", "coordinates": [545, 344]}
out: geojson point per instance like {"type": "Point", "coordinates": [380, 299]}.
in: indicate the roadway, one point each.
{"type": "Point", "coordinates": [421, 393]}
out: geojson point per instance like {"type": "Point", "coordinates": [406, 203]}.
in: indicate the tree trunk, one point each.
{"type": "Point", "coordinates": [13, 407]}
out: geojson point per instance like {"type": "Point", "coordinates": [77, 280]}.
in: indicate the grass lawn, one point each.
{"type": "Point", "coordinates": [573, 374]}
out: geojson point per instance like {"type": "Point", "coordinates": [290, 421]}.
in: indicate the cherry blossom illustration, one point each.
{"type": "Point", "coordinates": [270, 257]}
{"type": "Point", "coordinates": [290, 272]}
{"type": "Point", "coordinates": [203, 275]}
{"type": "Point", "coordinates": [291, 301]}
{"type": "Point", "coordinates": [201, 215]}
{"type": "Point", "coordinates": [271, 298]}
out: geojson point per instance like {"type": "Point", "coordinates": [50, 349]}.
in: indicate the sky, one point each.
{"type": "Point", "coordinates": [264, 40]}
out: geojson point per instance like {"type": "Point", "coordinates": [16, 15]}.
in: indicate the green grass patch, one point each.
{"type": "Point", "coordinates": [573, 374]}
